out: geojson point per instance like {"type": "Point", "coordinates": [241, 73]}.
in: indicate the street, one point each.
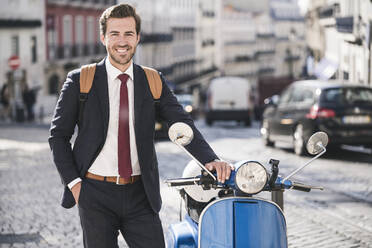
{"type": "Point", "coordinates": [339, 216]}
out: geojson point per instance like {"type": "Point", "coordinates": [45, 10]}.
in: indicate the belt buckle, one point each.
{"type": "Point", "coordinates": [118, 180]}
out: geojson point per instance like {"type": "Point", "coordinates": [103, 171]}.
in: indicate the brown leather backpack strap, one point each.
{"type": "Point", "coordinates": [154, 81]}
{"type": "Point", "coordinates": [86, 80]}
{"type": "Point", "coordinates": [86, 77]}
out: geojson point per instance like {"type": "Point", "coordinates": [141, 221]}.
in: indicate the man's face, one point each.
{"type": "Point", "coordinates": [121, 40]}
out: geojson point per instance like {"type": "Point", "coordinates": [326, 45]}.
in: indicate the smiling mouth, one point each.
{"type": "Point", "coordinates": [122, 50]}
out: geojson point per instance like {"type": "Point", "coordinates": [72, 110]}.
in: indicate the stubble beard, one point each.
{"type": "Point", "coordinates": [122, 60]}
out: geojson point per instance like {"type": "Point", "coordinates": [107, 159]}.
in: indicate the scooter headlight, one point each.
{"type": "Point", "coordinates": [251, 177]}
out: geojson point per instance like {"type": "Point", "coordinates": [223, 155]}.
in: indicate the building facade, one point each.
{"type": "Point", "coordinates": [72, 39]}
{"type": "Point", "coordinates": [290, 42]}
{"type": "Point", "coordinates": [339, 37]}
{"type": "Point", "coordinates": [155, 47]}
{"type": "Point", "coordinates": [265, 39]}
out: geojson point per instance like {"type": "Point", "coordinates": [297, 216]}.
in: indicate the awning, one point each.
{"type": "Point", "coordinates": [325, 69]}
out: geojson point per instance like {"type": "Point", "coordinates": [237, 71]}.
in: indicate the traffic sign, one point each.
{"type": "Point", "coordinates": [14, 62]}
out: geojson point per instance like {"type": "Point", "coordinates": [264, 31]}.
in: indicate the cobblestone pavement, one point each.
{"type": "Point", "coordinates": [30, 190]}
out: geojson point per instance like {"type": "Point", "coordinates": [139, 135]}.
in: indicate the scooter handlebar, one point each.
{"type": "Point", "coordinates": [289, 184]}
{"type": "Point", "coordinates": [177, 182]}
{"type": "Point", "coordinates": [301, 187]}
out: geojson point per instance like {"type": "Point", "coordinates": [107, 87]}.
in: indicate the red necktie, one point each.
{"type": "Point", "coordinates": [124, 162]}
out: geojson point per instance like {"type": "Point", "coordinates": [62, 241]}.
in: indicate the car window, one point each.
{"type": "Point", "coordinates": [285, 96]}
{"type": "Point", "coordinates": [347, 95]}
{"type": "Point", "coordinates": [303, 96]}
{"type": "Point", "coordinates": [308, 97]}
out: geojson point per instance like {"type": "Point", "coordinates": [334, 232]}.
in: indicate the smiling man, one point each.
{"type": "Point", "coordinates": [112, 169]}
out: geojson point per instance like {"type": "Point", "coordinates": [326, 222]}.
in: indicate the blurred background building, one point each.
{"type": "Point", "coordinates": [268, 42]}
{"type": "Point", "coordinates": [338, 34]}
{"type": "Point", "coordinates": [72, 39]}
{"type": "Point", "coordinates": [22, 53]}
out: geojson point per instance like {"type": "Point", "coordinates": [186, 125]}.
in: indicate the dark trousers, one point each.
{"type": "Point", "coordinates": [106, 208]}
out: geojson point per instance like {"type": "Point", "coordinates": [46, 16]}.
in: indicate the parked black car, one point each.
{"type": "Point", "coordinates": [343, 111]}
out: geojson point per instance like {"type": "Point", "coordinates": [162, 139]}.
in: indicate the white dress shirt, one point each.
{"type": "Point", "coordinates": [106, 163]}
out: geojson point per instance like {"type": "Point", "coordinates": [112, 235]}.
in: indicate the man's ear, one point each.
{"type": "Point", "coordinates": [138, 38]}
{"type": "Point", "coordinates": [103, 39]}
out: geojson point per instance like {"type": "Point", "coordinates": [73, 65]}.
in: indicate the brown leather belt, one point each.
{"type": "Point", "coordinates": [117, 180]}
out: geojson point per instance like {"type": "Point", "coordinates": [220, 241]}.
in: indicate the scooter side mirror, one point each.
{"type": "Point", "coordinates": [180, 133]}
{"type": "Point", "coordinates": [317, 142]}
{"type": "Point", "coordinates": [315, 146]}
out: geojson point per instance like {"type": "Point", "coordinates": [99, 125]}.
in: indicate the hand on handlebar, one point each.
{"type": "Point", "coordinates": [222, 168]}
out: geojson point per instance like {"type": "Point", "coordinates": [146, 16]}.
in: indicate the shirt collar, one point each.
{"type": "Point", "coordinates": [113, 72]}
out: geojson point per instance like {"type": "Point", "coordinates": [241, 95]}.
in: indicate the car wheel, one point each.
{"type": "Point", "coordinates": [265, 131]}
{"type": "Point", "coordinates": [298, 140]}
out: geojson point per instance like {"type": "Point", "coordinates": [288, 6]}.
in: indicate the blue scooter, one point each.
{"type": "Point", "coordinates": [228, 215]}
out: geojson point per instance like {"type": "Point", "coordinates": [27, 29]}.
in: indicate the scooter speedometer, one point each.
{"type": "Point", "coordinates": [251, 177]}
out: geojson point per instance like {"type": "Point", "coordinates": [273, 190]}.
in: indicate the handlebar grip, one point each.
{"type": "Point", "coordinates": [301, 187]}
{"type": "Point", "coordinates": [182, 181]}
{"type": "Point", "coordinates": [175, 184]}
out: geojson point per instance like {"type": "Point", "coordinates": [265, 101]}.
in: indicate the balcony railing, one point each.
{"type": "Point", "coordinates": [156, 38]}
{"type": "Point", "coordinates": [83, 3]}
{"type": "Point", "coordinates": [244, 58]}
{"type": "Point", "coordinates": [207, 13]}
{"type": "Point", "coordinates": [209, 42]}
{"type": "Point", "coordinates": [193, 76]}
{"type": "Point", "coordinates": [266, 70]}
{"type": "Point", "coordinates": [75, 51]}
{"type": "Point", "coordinates": [265, 35]}
{"type": "Point", "coordinates": [264, 52]}
{"type": "Point", "coordinates": [289, 58]}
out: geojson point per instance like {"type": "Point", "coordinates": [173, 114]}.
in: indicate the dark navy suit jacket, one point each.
{"type": "Point", "coordinates": [75, 162]}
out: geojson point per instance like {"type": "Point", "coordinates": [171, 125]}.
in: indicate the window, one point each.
{"type": "Point", "coordinates": [346, 75]}
{"type": "Point", "coordinates": [91, 34]}
{"type": "Point", "coordinates": [79, 35]}
{"type": "Point", "coordinates": [79, 30]}
{"type": "Point", "coordinates": [348, 95]}
{"type": "Point", "coordinates": [303, 96]}
{"type": "Point", "coordinates": [67, 36]}
{"type": "Point", "coordinates": [15, 45]}
{"type": "Point", "coordinates": [90, 30]}
{"type": "Point", "coordinates": [67, 30]}
{"type": "Point", "coordinates": [285, 97]}
{"type": "Point", "coordinates": [33, 49]}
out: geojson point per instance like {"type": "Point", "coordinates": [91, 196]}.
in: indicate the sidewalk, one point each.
{"type": "Point", "coordinates": [44, 123]}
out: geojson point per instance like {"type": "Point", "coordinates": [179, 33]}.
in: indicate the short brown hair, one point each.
{"type": "Point", "coordinates": [119, 11]}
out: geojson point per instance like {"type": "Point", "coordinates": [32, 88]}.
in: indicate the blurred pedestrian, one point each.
{"type": "Point", "coordinates": [112, 170]}
{"type": "Point", "coordinates": [29, 100]}
{"type": "Point", "coordinates": [5, 102]}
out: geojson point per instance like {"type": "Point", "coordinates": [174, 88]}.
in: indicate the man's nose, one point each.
{"type": "Point", "coordinates": [122, 40]}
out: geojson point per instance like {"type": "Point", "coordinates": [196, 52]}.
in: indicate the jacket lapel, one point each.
{"type": "Point", "coordinates": [101, 86]}
{"type": "Point", "coordinates": [139, 92]}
